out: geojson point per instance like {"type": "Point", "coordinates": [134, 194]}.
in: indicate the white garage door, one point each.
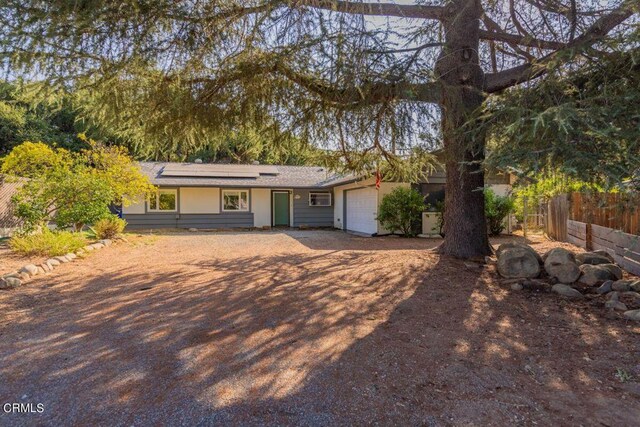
{"type": "Point", "coordinates": [362, 209]}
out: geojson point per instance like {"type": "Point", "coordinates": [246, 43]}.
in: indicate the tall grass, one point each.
{"type": "Point", "coordinates": [48, 243]}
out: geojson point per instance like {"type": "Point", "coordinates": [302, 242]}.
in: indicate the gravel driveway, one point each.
{"type": "Point", "coordinates": [304, 328]}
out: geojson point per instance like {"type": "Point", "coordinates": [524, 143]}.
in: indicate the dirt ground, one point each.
{"type": "Point", "coordinates": [306, 328]}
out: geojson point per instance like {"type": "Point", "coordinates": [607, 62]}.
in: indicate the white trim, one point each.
{"type": "Point", "coordinates": [323, 193]}
{"type": "Point", "coordinates": [173, 191]}
{"type": "Point", "coordinates": [238, 192]}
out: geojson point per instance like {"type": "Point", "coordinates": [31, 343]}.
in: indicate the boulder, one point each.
{"type": "Point", "coordinates": [62, 258]}
{"type": "Point", "coordinates": [30, 269]}
{"type": "Point", "coordinates": [517, 287]}
{"type": "Point", "coordinates": [614, 269]}
{"type": "Point", "coordinates": [88, 248]}
{"type": "Point", "coordinates": [632, 315]}
{"type": "Point", "coordinates": [604, 253]}
{"type": "Point", "coordinates": [509, 245]}
{"type": "Point", "coordinates": [592, 258]}
{"type": "Point", "coordinates": [53, 262]}
{"type": "Point", "coordinates": [605, 287]}
{"type": "Point", "coordinates": [621, 285]}
{"type": "Point", "coordinates": [594, 274]}
{"type": "Point", "coordinates": [106, 242]}
{"type": "Point", "coordinates": [10, 282]}
{"type": "Point", "coordinates": [518, 262]}
{"type": "Point", "coordinates": [566, 291]}
{"type": "Point", "coordinates": [97, 245]}
{"type": "Point", "coordinates": [615, 305]}
{"type": "Point", "coordinates": [71, 256]}
{"type": "Point", "coordinates": [41, 270]}
{"type": "Point", "coordinates": [46, 267]}
{"type": "Point", "coordinates": [561, 264]}
{"type": "Point", "coordinates": [631, 294]}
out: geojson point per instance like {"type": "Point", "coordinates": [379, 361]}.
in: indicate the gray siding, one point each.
{"type": "Point", "coordinates": [311, 216]}
{"type": "Point", "coordinates": [174, 220]}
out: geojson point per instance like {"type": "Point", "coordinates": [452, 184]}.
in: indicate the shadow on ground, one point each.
{"type": "Point", "coordinates": [325, 337]}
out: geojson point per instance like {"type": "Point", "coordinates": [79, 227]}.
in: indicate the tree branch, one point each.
{"type": "Point", "coordinates": [496, 82]}
{"type": "Point", "coordinates": [367, 94]}
{"type": "Point", "coordinates": [375, 9]}
{"type": "Point", "coordinates": [521, 41]}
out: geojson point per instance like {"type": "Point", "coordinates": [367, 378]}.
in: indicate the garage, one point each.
{"type": "Point", "coordinates": [362, 209]}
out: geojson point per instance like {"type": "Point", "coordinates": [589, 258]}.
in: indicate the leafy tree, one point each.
{"type": "Point", "coordinates": [578, 125]}
{"type": "Point", "coordinates": [400, 210]}
{"type": "Point", "coordinates": [368, 78]}
{"type": "Point", "coordinates": [496, 209]}
{"type": "Point", "coordinates": [543, 186]}
{"type": "Point", "coordinates": [72, 189]}
{"type": "Point", "coordinates": [26, 117]}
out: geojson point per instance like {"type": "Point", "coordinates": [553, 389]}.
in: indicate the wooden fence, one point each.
{"type": "Point", "coordinates": [577, 233]}
{"type": "Point", "coordinates": [609, 222]}
{"type": "Point", "coordinates": [623, 247]}
{"type": "Point", "coordinates": [619, 211]}
{"type": "Point", "coordinates": [556, 214]}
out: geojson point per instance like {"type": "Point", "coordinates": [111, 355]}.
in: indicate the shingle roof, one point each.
{"type": "Point", "coordinates": [285, 176]}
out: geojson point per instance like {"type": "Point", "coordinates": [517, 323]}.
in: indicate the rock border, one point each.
{"type": "Point", "coordinates": [18, 278]}
{"type": "Point", "coordinates": [560, 270]}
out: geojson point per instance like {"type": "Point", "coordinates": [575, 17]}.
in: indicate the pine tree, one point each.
{"type": "Point", "coordinates": [369, 77]}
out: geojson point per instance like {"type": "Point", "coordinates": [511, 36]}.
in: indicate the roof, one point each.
{"type": "Point", "coordinates": [221, 175]}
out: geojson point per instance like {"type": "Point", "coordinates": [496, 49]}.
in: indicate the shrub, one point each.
{"type": "Point", "coordinates": [496, 209]}
{"type": "Point", "coordinates": [72, 189]}
{"type": "Point", "coordinates": [109, 227]}
{"type": "Point", "coordinates": [48, 243]}
{"type": "Point", "coordinates": [400, 210]}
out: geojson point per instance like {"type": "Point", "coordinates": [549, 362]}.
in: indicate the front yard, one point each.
{"type": "Point", "coordinates": [306, 328]}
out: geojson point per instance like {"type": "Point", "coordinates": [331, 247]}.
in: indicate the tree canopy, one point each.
{"type": "Point", "coordinates": [69, 188]}
{"type": "Point", "coordinates": [387, 78]}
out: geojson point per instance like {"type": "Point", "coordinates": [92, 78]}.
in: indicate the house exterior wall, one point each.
{"type": "Point", "coordinates": [179, 219]}
{"type": "Point", "coordinates": [311, 216]}
{"type": "Point", "coordinates": [138, 207]}
{"type": "Point", "coordinates": [261, 206]}
{"type": "Point", "coordinates": [199, 200]}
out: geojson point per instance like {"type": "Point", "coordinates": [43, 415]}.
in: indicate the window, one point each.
{"type": "Point", "coordinates": [164, 201]}
{"type": "Point", "coordinates": [235, 200]}
{"type": "Point", "coordinates": [434, 194]}
{"type": "Point", "coordinates": [319, 199]}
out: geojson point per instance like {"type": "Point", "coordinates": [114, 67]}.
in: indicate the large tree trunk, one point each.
{"type": "Point", "coordinates": [459, 71]}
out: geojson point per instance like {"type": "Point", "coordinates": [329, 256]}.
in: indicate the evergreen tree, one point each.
{"type": "Point", "coordinates": [373, 78]}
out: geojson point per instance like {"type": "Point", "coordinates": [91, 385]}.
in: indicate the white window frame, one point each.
{"type": "Point", "coordinates": [238, 192]}
{"type": "Point", "coordinates": [157, 197]}
{"type": "Point", "coordinates": [323, 193]}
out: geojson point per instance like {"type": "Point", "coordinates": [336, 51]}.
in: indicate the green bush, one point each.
{"type": "Point", "coordinates": [109, 227]}
{"type": "Point", "coordinates": [400, 210]}
{"type": "Point", "coordinates": [48, 243]}
{"type": "Point", "coordinates": [496, 208]}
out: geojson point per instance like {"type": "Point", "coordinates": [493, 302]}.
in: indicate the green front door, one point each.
{"type": "Point", "coordinates": [281, 208]}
